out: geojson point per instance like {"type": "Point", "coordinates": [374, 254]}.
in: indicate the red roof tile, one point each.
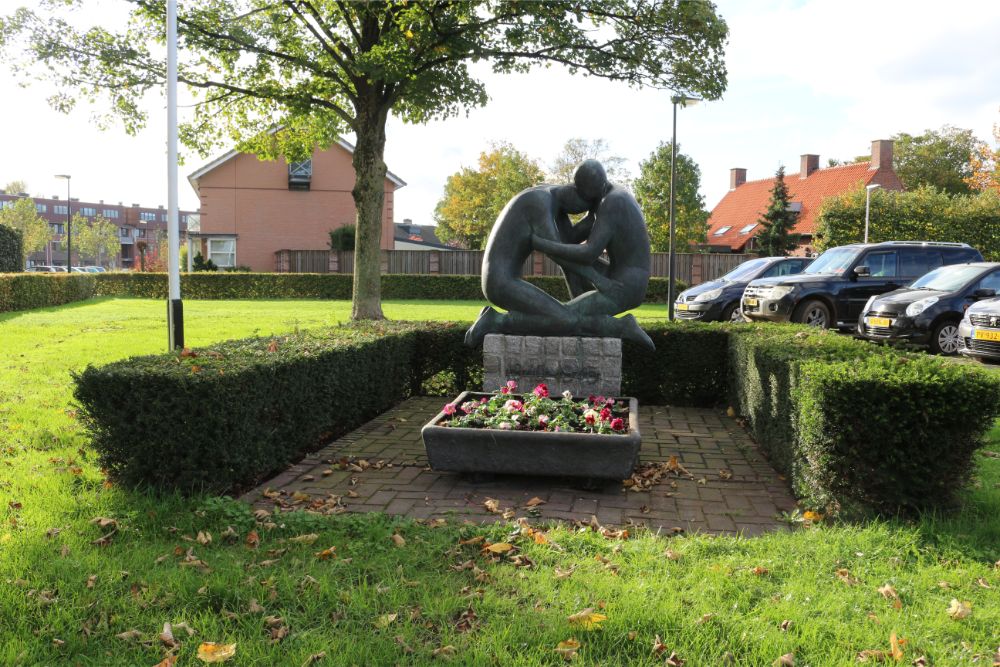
{"type": "Point", "coordinates": [744, 206]}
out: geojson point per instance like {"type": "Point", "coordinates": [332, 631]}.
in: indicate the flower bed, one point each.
{"type": "Point", "coordinates": [535, 434]}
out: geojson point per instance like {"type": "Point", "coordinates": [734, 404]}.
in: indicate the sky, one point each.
{"type": "Point", "coordinates": [805, 76]}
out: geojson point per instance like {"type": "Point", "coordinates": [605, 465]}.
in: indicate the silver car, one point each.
{"type": "Point", "coordinates": [979, 331]}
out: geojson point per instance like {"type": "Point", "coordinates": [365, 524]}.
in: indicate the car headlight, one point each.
{"type": "Point", "coordinates": [710, 295]}
{"type": "Point", "coordinates": [918, 307]}
{"type": "Point", "coordinates": [868, 305]}
{"type": "Point", "coordinates": [779, 291]}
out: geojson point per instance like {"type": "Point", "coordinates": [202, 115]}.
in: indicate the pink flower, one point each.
{"type": "Point", "coordinates": [605, 414]}
{"type": "Point", "coordinates": [543, 421]}
{"type": "Point", "coordinates": [449, 409]}
{"type": "Point", "coordinates": [609, 402]}
{"type": "Point", "coordinates": [504, 390]}
{"type": "Point", "coordinates": [541, 391]}
{"type": "Point", "coordinates": [617, 424]}
{"type": "Point", "coordinates": [599, 400]}
{"type": "Point", "coordinates": [590, 417]}
{"type": "Point", "coordinates": [482, 401]}
{"type": "Point", "coordinates": [506, 426]}
{"type": "Point", "coordinates": [511, 385]}
{"type": "Point", "coordinates": [513, 406]}
{"type": "Point", "coordinates": [469, 406]}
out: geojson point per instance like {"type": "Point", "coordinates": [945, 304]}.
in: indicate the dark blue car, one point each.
{"type": "Point", "coordinates": [718, 300]}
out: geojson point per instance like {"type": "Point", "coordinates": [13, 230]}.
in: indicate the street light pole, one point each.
{"type": "Point", "coordinates": [868, 199]}
{"type": "Point", "coordinates": [175, 307]}
{"type": "Point", "coordinates": [672, 255]}
{"type": "Point", "coordinates": [69, 225]}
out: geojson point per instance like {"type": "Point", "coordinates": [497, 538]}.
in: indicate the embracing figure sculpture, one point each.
{"type": "Point", "coordinates": [538, 219]}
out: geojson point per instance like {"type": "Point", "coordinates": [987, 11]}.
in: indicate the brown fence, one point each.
{"type": "Point", "coordinates": [692, 268]}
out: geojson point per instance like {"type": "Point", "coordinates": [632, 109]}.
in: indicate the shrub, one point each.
{"type": "Point", "coordinates": [342, 238]}
{"type": "Point", "coordinates": [199, 263]}
{"type": "Point", "coordinates": [688, 368]}
{"type": "Point", "coordinates": [23, 291]}
{"type": "Point", "coordinates": [11, 250]}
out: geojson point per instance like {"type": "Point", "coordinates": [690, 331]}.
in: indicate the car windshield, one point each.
{"type": "Point", "coordinates": [947, 278]}
{"type": "Point", "coordinates": [835, 260]}
{"type": "Point", "coordinates": [744, 271]}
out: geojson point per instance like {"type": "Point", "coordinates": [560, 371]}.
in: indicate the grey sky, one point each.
{"type": "Point", "coordinates": [820, 76]}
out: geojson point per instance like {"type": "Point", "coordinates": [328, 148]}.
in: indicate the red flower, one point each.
{"type": "Point", "coordinates": [617, 424]}
{"type": "Point", "coordinates": [605, 414]}
{"type": "Point", "coordinates": [504, 390]}
{"type": "Point", "coordinates": [590, 417]}
{"type": "Point", "coordinates": [541, 391]}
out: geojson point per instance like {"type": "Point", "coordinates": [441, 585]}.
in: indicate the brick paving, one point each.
{"type": "Point", "coordinates": [745, 498]}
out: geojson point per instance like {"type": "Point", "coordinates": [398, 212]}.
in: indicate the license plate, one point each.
{"type": "Point", "coordinates": [681, 306]}
{"type": "Point", "coordinates": [753, 303]}
{"type": "Point", "coordinates": [979, 334]}
{"type": "Point", "coordinates": [878, 321]}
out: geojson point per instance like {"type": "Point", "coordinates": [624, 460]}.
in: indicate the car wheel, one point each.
{"type": "Point", "coordinates": [944, 339]}
{"type": "Point", "coordinates": [815, 313]}
{"type": "Point", "coordinates": [731, 313]}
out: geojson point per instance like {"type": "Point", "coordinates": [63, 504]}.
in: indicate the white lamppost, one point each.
{"type": "Point", "coordinates": [684, 101]}
{"type": "Point", "coordinates": [69, 224]}
{"type": "Point", "coordinates": [868, 202]}
{"type": "Point", "coordinates": [175, 307]}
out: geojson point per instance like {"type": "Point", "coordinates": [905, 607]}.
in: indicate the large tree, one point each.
{"type": "Point", "coordinates": [576, 150]}
{"type": "Point", "coordinates": [652, 191]}
{"type": "Point", "coordinates": [96, 239]}
{"type": "Point", "coordinates": [317, 69]}
{"type": "Point", "coordinates": [21, 214]}
{"type": "Point", "coordinates": [473, 198]}
{"type": "Point", "coordinates": [775, 237]}
{"type": "Point", "coordinates": [985, 166]}
{"type": "Point", "coordinates": [941, 158]}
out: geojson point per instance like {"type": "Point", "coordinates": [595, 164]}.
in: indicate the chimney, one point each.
{"type": "Point", "coordinates": [407, 221]}
{"type": "Point", "coordinates": [809, 164]}
{"type": "Point", "coordinates": [881, 154]}
{"type": "Point", "coordinates": [737, 177]}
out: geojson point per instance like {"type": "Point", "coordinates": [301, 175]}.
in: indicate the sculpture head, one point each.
{"type": "Point", "coordinates": [591, 181]}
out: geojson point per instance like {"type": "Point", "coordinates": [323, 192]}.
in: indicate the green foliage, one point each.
{"type": "Point", "coordinates": [688, 368]}
{"type": "Point", "coordinates": [24, 291]}
{"type": "Point", "coordinates": [858, 429]}
{"type": "Point", "coordinates": [342, 238]}
{"type": "Point", "coordinates": [474, 198]}
{"type": "Point", "coordinates": [652, 191]}
{"type": "Point", "coordinates": [576, 150]}
{"type": "Point", "coordinates": [938, 158]}
{"type": "Point", "coordinates": [775, 238]}
{"type": "Point", "coordinates": [224, 418]}
{"type": "Point", "coordinates": [95, 239]}
{"type": "Point", "coordinates": [924, 214]}
{"type": "Point", "coordinates": [199, 263]}
{"type": "Point", "coordinates": [22, 216]}
{"type": "Point", "coordinates": [11, 252]}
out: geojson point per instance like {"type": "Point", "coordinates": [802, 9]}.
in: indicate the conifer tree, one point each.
{"type": "Point", "coordinates": [776, 237]}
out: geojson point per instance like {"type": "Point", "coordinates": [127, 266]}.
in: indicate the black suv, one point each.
{"type": "Point", "coordinates": [833, 290]}
{"type": "Point", "coordinates": [719, 300]}
{"type": "Point", "coordinates": [928, 311]}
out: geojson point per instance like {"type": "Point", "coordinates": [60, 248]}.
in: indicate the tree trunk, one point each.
{"type": "Point", "coordinates": [369, 197]}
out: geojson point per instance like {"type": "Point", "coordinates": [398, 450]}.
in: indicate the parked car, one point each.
{"type": "Point", "coordinates": [929, 310]}
{"type": "Point", "coordinates": [96, 269]}
{"type": "Point", "coordinates": [979, 331]}
{"type": "Point", "coordinates": [80, 269]}
{"type": "Point", "coordinates": [719, 300]}
{"type": "Point", "coordinates": [44, 268]}
{"type": "Point", "coordinates": [833, 290]}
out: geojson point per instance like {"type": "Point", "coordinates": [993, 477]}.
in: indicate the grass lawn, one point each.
{"type": "Point", "coordinates": [812, 592]}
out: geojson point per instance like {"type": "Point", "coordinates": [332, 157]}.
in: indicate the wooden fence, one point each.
{"type": "Point", "coordinates": [692, 268]}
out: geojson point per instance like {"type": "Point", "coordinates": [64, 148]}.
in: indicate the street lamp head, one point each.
{"type": "Point", "coordinates": [872, 186]}
{"type": "Point", "coordinates": [63, 176]}
{"type": "Point", "coordinates": [685, 101]}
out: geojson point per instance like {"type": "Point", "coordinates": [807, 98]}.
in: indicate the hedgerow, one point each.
{"type": "Point", "coordinates": [11, 250]}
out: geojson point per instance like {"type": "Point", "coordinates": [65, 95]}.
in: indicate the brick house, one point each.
{"type": "Point", "coordinates": [252, 208]}
{"type": "Point", "coordinates": [734, 221]}
{"type": "Point", "coordinates": [135, 224]}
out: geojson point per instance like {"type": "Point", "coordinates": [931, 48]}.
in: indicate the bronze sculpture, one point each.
{"type": "Point", "coordinates": [538, 219]}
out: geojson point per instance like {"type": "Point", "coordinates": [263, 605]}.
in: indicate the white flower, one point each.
{"type": "Point", "coordinates": [567, 395]}
{"type": "Point", "coordinates": [506, 426]}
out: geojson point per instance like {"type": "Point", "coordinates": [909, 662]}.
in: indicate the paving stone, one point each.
{"type": "Point", "coordinates": [705, 441]}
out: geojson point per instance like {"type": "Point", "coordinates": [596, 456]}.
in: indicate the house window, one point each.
{"type": "Point", "coordinates": [41, 208]}
{"type": "Point", "coordinates": [124, 232]}
{"type": "Point", "coordinates": [721, 230]}
{"type": "Point", "coordinates": [748, 228]}
{"type": "Point", "coordinates": [300, 175]}
{"type": "Point", "coordinates": [147, 216]}
{"type": "Point", "coordinates": [88, 211]}
{"type": "Point", "coordinates": [222, 252]}
{"type": "Point", "coordinates": [62, 210]}
{"type": "Point", "coordinates": [110, 213]}
{"type": "Point", "coordinates": [56, 227]}
{"type": "Point", "coordinates": [163, 217]}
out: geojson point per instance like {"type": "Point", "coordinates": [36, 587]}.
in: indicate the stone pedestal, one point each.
{"type": "Point", "coordinates": [583, 366]}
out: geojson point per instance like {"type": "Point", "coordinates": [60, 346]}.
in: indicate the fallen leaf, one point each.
{"type": "Point", "coordinates": [632, 635]}
{"type": "Point", "coordinates": [705, 618]}
{"type": "Point", "coordinates": [658, 646]}
{"type": "Point", "coordinates": [894, 647]}
{"type": "Point", "coordinates": [922, 662]}
{"type": "Point", "coordinates": [873, 655]}
{"type": "Point", "coordinates": [725, 474]}
{"type": "Point", "coordinates": [398, 540]}
{"type": "Point", "coordinates": [327, 554]}
{"type": "Point", "coordinates": [845, 576]}
{"type": "Point", "coordinates": [308, 538]}
{"type": "Point", "coordinates": [670, 554]}
{"type": "Point", "coordinates": [473, 540]}
{"type": "Point", "coordinates": [499, 547]}
{"type": "Point", "coordinates": [492, 505]}
{"type": "Point", "coordinates": [444, 652]}
{"type": "Point", "coordinates": [129, 635]}
{"type": "Point", "coordinates": [567, 648]}
{"type": "Point", "coordinates": [213, 652]}
{"type": "Point", "coordinates": [786, 625]}
{"type": "Point", "coordinates": [91, 581]}
{"type": "Point", "coordinates": [255, 607]}
{"type": "Point", "coordinates": [204, 538]}
{"type": "Point", "coordinates": [587, 619]}
{"type": "Point", "coordinates": [959, 610]}
{"type": "Point", "coordinates": [385, 620]}
{"type": "Point", "coordinates": [167, 637]}
{"type": "Point", "coordinates": [673, 660]}
{"type": "Point", "coordinates": [760, 571]}
{"type": "Point", "coordinates": [982, 583]}
{"type": "Point", "coordinates": [253, 539]}
{"type": "Point", "coordinates": [787, 660]}
{"type": "Point", "coordinates": [564, 574]}
{"type": "Point", "coordinates": [534, 502]}
{"type": "Point", "coordinates": [167, 662]}
{"type": "Point", "coordinates": [812, 517]}
{"type": "Point", "coordinates": [315, 657]}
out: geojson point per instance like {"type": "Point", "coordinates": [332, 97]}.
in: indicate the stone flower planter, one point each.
{"type": "Point", "coordinates": [481, 450]}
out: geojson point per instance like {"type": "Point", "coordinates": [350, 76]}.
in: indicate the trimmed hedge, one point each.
{"type": "Point", "coordinates": [11, 250]}
{"type": "Point", "coordinates": [210, 285]}
{"type": "Point", "coordinates": [858, 429]}
{"type": "Point", "coordinates": [24, 291]}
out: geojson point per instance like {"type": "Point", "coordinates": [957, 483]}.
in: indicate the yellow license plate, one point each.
{"type": "Point", "coordinates": [681, 306]}
{"type": "Point", "coordinates": [879, 321]}
{"type": "Point", "coordinates": [753, 303]}
{"type": "Point", "coordinates": [979, 334]}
